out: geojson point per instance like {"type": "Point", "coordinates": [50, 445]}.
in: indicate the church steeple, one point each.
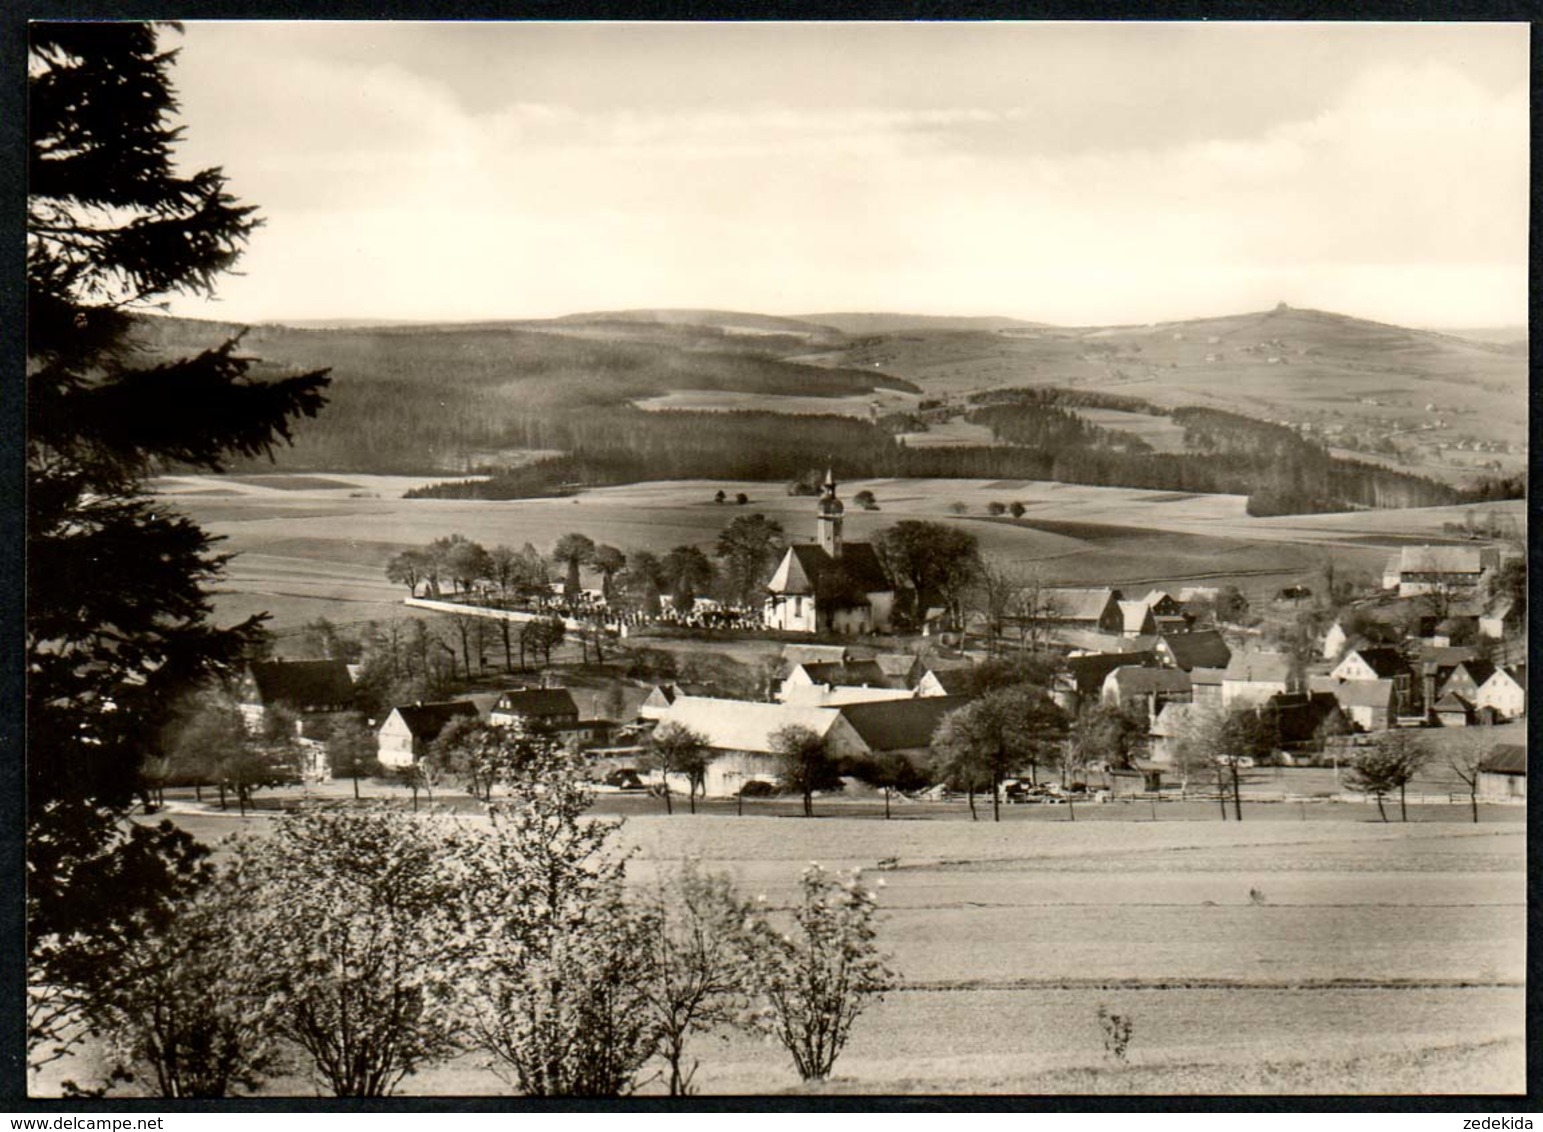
{"type": "Point", "coordinates": [830, 517]}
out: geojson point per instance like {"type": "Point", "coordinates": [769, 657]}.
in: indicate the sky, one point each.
{"type": "Point", "coordinates": [1071, 173]}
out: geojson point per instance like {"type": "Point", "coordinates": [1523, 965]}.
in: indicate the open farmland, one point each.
{"type": "Point", "coordinates": [1324, 956]}
{"type": "Point", "coordinates": [304, 550]}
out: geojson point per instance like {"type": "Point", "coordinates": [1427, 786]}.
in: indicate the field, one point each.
{"type": "Point", "coordinates": [305, 550]}
{"type": "Point", "coordinates": [1321, 956]}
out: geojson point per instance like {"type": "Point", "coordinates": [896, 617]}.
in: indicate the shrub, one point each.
{"type": "Point", "coordinates": [1117, 1030]}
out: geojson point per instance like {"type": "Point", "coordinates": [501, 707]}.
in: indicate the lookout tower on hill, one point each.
{"type": "Point", "coordinates": [831, 510]}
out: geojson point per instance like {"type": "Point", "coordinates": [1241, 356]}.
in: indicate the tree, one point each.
{"type": "Point", "coordinates": [112, 230]}
{"type": "Point", "coordinates": [352, 748]}
{"type": "Point", "coordinates": [1216, 740]}
{"type": "Point", "coordinates": [1466, 760]}
{"type": "Point", "coordinates": [573, 551]}
{"type": "Point", "coordinates": [994, 592]}
{"type": "Point", "coordinates": [695, 937]}
{"type": "Point", "coordinates": [552, 980]}
{"type": "Point", "coordinates": [180, 1017]}
{"type": "Point", "coordinates": [542, 635]}
{"type": "Point", "coordinates": [1111, 733]}
{"type": "Point", "coordinates": [408, 568]}
{"type": "Point", "coordinates": [1016, 509]}
{"type": "Point", "coordinates": [350, 925]}
{"type": "Point", "coordinates": [887, 771]}
{"type": "Point", "coordinates": [466, 562]}
{"type": "Point", "coordinates": [865, 500]}
{"type": "Point", "coordinates": [687, 572]}
{"type": "Point", "coordinates": [609, 562]}
{"type": "Point", "coordinates": [998, 732]}
{"type": "Point", "coordinates": [803, 763]}
{"type": "Point", "coordinates": [750, 547]}
{"type": "Point", "coordinates": [720, 496]}
{"type": "Point", "coordinates": [740, 499]}
{"type": "Point", "coordinates": [1387, 765]}
{"type": "Point", "coordinates": [643, 580]}
{"type": "Point", "coordinates": [934, 561]}
{"type": "Point", "coordinates": [813, 982]}
{"type": "Point", "coordinates": [674, 748]}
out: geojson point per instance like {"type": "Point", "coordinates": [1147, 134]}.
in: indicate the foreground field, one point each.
{"type": "Point", "coordinates": [1325, 956]}
{"type": "Point", "coordinates": [316, 545]}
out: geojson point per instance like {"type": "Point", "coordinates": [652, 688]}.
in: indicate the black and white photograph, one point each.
{"type": "Point", "coordinates": [803, 560]}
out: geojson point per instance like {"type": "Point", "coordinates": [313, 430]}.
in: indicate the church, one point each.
{"type": "Point", "coordinates": [830, 586]}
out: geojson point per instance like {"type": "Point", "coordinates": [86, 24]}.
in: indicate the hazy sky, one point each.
{"type": "Point", "coordinates": [1069, 173]}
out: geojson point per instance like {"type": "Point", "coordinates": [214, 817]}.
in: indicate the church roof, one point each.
{"type": "Point", "coordinates": [806, 569]}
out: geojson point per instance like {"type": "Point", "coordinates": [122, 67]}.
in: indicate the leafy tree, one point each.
{"type": "Point", "coordinates": [812, 983]}
{"type": "Point", "coordinates": [542, 635]}
{"type": "Point", "coordinates": [350, 927]}
{"type": "Point", "coordinates": [803, 763]}
{"type": "Point", "coordinates": [1387, 766]}
{"type": "Point", "coordinates": [118, 615]}
{"type": "Point", "coordinates": [674, 748]}
{"type": "Point", "coordinates": [695, 938]}
{"type": "Point", "coordinates": [998, 732]}
{"type": "Point", "coordinates": [466, 562]}
{"type": "Point", "coordinates": [408, 568]}
{"type": "Point", "coordinates": [643, 580]}
{"type": "Point", "coordinates": [740, 498]}
{"type": "Point", "coordinates": [609, 562]}
{"type": "Point", "coordinates": [1467, 758]}
{"type": "Point", "coordinates": [687, 572]}
{"type": "Point", "coordinates": [180, 1016]}
{"type": "Point", "coordinates": [352, 748]}
{"type": "Point", "coordinates": [888, 771]}
{"type": "Point", "coordinates": [572, 551]}
{"type": "Point", "coordinates": [865, 500]}
{"type": "Point", "coordinates": [934, 561]}
{"type": "Point", "coordinates": [720, 496]}
{"type": "Point", "coordinates": [750, 547]}
{"type": "Point", "coordinates": [1111, 733]}
{"type": "Point", "coordinates": [553, 980]}
{"type": "Point", "coordinates": [1016, 509]}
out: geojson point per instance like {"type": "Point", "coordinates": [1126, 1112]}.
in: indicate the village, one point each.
{"type": "Point", "coordinates": [1174, 693]}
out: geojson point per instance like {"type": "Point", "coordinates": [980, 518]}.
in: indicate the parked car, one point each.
{"type": "Point", "coordinates": [755, 788]}
{"type": "Point", "coordinates": [625, 778]}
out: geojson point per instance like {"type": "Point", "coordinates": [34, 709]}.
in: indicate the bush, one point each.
{"type": "Point", "coordinates": [756, 788]}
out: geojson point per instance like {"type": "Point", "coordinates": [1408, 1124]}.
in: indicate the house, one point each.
{"type": "Point", "coordinates": [739, 732]}
{"type": "Point", "coordinates": [408, 731]}
{"type": "Point", "coordinates": [663, 695]}
{"type": "Point", "coordinates": [1436, 664]}
{"type": "Point", "coordinates": [1501, 621]}
{"type": "Point", "coordinates": [855, 681]}
{"type": "Point", "coordinates": [1163, 604]}
{"type": "Point", "coordinates": [1418, 570]}
{"type": "Point", "coordinates": [1188, 651]}
{"type": "Point", "coordinates": [1251, 678]}
{"type": "Point", "coordinates": [794, 655]}
{"type": "Point", "coordinates": [1466, 678]}
{"type": "Point", "coordinates": [830, 586]}
{"type": "Point", "coordinates": [1453, 710]}
{"type": "Point", "coordinates": [1379, 663]}
{"type": "Point", "coordinates": [1369, 704]}
{"type": "Point", "coordinates": [304, 687]}
{"type": "Point", "coordinates": [936, 682]}
{"type": "Point", "coordinates": [1205, 685]}
{"type": "Point", "coordinates": [902, 666]}
{"type": "Point", "coordinates": [1504, 773]}
{"type": "Point", "coordinates": [1504, 694]}
{"type": "Point", "coordinates": [1080, 679]}
{"type": "Point", "coordinates": [1095, 609]}
{"type": "Point", "coordinates": [548, 708]}
{"type": "Point", "coordinates": [1146, 689]}
{"type": "Point", "coordinates": [1136, 619]}
{"type": "Point", "coordinates": [893, 728]}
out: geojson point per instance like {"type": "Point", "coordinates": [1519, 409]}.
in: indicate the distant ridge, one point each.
{"type": "Point", "coordinates": [726, 320]}
{"type": "Point", "coordinates": [884, 322]}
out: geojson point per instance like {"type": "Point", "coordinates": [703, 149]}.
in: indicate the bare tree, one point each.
{"type": "Point", "coordinates": [1468, 758]}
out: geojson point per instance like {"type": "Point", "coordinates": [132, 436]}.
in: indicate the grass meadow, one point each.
{"type": "Point", "coordinates": [1326, 956]}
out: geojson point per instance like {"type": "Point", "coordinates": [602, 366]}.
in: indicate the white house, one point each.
{"type": "Point", "coordinates": [830, 586]}
{"type": "Point", "coordinates": [1456, 570]}
{"type": "Point", "coordinates": [1250, 679]}
{"type": "Point", "coordinates": [1504, 693]}
{"type": "Point", "coordinates": [1334, 641]}
{"type": "Point", "coordinates": [405, 735]}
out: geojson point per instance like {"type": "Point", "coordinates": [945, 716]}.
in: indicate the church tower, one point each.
{"type": "Point", "coordinates": [830, 517]}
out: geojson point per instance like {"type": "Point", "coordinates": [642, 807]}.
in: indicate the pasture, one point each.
{"type": "Point", "coordinates": [305, 550]}
{"type": "Point", "coordinates": [1268, 956]}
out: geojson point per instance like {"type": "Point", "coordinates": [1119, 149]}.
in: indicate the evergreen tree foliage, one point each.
{"type": "Point", "coordinates": [118, 617]}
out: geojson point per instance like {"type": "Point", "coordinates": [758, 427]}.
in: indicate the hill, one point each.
{"type": "Point", "coordinates": [878, 322]}
{"type": "Point", "coordinates": [737, 322]}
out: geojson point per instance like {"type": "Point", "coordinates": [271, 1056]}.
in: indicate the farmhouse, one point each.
{"type": "Point", "coordinates": [548, 708]}
{"type": "Point", "coordinates": [662, 696]}
{"type": "Point", "coordinates": [1252, 678]}
{"type": "Point", "coordinates": [1188, 651]}
{"type": "Point", "coordinates": [1369, 704]}
{"type": "Point", "coordinates": [793, 655]}
{"type": "Point", "coordinates": [1080, 679]}
{"type": "Point", "coordinates": [1205, 685]}
{"type": "Point", "coordinates": [1136, 619]}
{"type": "Point", "coordinates": [946, 682]}
{"type": "Point", "coordinates": [830, 586]}
{"type": "Point", "coordinates": [849, 683]}
{"type": "Point", "coordinates": [1453, 710]}
{"type": "Point", "coordinates": [1167, 730]}
{"type": "Point", "coordinates": [1147, 689]}
{"type": "Point", "coordinates": [1381, 663]}
{"type": "Point", "coordinates": [1093, 609]}
{"type": "Point", "coordinates": [405, 736]}
{"type": "Point", "coordinates": [1504, 694]}
{"type": "Point", "coordinates": [1504, 773]}
{"type": "Point", "coordinates": [894, 728]}
{"type": "Point", "coordinates": [738, 733]}
{"type": "Point", "coordinates": [1501, 621]}
{"type": "Point", "coordinates": [304, 687]}
{"type": "Point", "coordinates": [1305, 721]}
{"type": "Point", "coordinates": [1419, 570]}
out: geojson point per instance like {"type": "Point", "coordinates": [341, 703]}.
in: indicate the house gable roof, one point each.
{"type": "Point", "coordinates": [899, 664]}
{"type": "Point", "coordinates": [1202, 649]}
{"type": "Point", "coordinates": [303, 684]}
{"type": "Point", "coordinates": [426, 721]}
{"type": "Point", "coordinates": [1440, 560]}
{"type": "Point", "coordinates": [1133, 681]}
{"type": "Point", "coordinates": [1136, 616]}
{"type": "Point", "coordinates": [1382, 660]}
{"type": "Point", "coordinates": [954, 681]}
{"type": "Point", "coordinates": [900, 725]}
{"type": "Point", "coordinates": [1088, 672]}
{"type": "Point", "coordinates": [1079, 603]}
{"type": "Point", "coordinates": [537, 703]}
{"type": "Point", "coordinates": [1259, 668]}
{"type": "Point", "coordinates": [807, 570]}
{"type": "Point", "coordinates": [1364, 693]}
{"type": "Point", "coordinates": [1506, 758]}
{"type": "Point", "coordinates": [745, 725]}
{"type": "Point", "coordinates": [851, 674]}
{"type": "Point", "coordinates": [1452, 702]}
